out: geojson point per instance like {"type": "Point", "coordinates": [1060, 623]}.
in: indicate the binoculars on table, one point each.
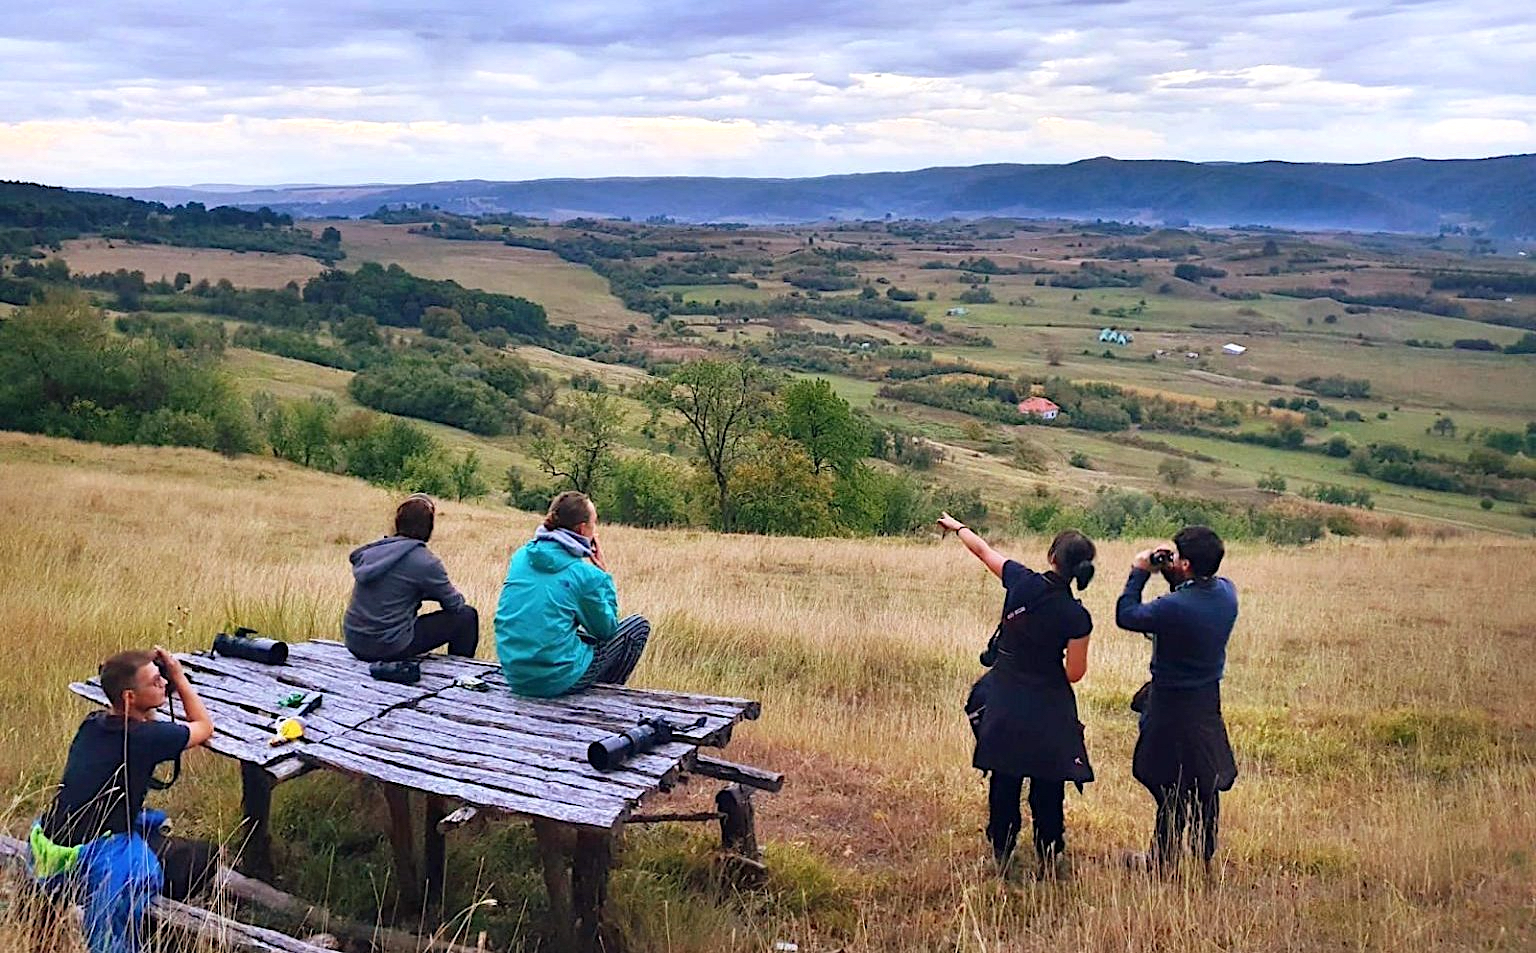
{"type": "Point", "coordinates": [608, 753]}
{"type": "Point", "coordinates": [244, 644]}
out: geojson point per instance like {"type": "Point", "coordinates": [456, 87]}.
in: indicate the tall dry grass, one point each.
{"type": "Point", "coordinates": [1378, 694]}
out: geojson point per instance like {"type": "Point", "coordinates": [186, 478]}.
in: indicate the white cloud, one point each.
{"type": "Point", "coordinates": [354, 90]}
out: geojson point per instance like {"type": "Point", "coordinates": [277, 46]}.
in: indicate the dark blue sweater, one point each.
{"type": "Point", "coordinates": [1189, 628]}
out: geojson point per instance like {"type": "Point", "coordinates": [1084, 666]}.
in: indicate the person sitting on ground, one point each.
{"type": "Point", "coordinates": [1183, 756]}
{"type": "Point", "coordinates": [391, 578]}
{"type": "Point", "coordinates": [557, 625]}
{"type": "Point", "coordinates": [96, 843]}
{"type": "Point", "coordinates": [1023, 710]}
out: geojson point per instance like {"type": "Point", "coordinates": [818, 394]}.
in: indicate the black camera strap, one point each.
{"type": "Point", "coordinates": [155, 784]}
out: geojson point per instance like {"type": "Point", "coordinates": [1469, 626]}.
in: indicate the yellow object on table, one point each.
{"type": "Point", "coordinates": [286, 730]}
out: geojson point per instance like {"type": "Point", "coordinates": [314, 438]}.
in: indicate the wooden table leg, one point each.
{"type": "Point", "coordinates": [557, 843]}
{"type": "Point", "coordinates": [433, 854]}
{"type": "Point", "coordinates": [407, 876]}
{"type": "Point", "coordinates": [738, 834]}
{"type": "Point", "coordinates": [256, 805]}
{"type": "Point", "coordinates": [589, 880]}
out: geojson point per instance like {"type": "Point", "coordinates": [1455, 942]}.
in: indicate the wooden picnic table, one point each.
{"type": "Point", "coordinates": [486, 749]}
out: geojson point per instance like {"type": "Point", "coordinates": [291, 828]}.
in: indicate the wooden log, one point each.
{"type": "Point", "coordinates": [557, 844]}
{"type": "Point", "coordinates": [401, 840]}
{"type": "Point", "coordinates": [683, 817]}
{"type": "Point", "coordinates": [590, 866]}
{"type": "Point", "coordinates": [229, 934]}
{"type": "Point", "coordinates": [712, 767]}
{"type": "Point", "coordinates": [256, 806]}
{"type": "Point", "coordinates": [185, 918]}
{"type": "Point", "coordinates": [738, 834]}
{"type": "Point", "coordinates": [305, 915]}
{"type": "Point", "coordinates": [433, 857]}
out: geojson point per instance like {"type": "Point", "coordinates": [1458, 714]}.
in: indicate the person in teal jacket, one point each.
{"type": "Point", "coordinates": [557, 623]}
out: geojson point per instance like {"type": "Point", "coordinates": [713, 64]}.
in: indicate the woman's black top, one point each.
{"type": "Point", "coordinates": [1029, 727]}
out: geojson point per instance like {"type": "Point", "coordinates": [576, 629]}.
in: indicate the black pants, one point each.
{"type": "Point", "coordinates": [1191, 806]}
{"type": "Point", "coordinates": [459, 629]}
{"type": "Point", "coordinates": [1047, 806]}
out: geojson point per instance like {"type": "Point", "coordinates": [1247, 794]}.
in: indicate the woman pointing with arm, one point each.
{"type": "Point", "coordinates": [1027, 726]}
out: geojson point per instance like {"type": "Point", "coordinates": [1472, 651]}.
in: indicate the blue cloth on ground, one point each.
{"type": "Point", "coordinates": [115, 879]}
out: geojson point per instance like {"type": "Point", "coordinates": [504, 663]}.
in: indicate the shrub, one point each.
{"type": "Point", "coordinates": [1272, 482]}
{"type": "Point", "coordinates": [646, 491]}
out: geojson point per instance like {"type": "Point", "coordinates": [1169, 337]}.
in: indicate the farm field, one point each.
{"type": "Point", "coordinates": [1382, 803]}
{"type": "Point", "coordinates": [1032, 332]}
{"type": "Point", "coordinates": [569, 293]}
{"type": "Point", "coordinates": [245, 269]}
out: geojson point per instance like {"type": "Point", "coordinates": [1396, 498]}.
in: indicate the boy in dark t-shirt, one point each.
{"type": "Point", "coordinates": [92, 839]}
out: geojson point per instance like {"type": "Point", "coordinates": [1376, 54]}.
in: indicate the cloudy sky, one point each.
{"type": "Point", "coordinates": [125, 92]}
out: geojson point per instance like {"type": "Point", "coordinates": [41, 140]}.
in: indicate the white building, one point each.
{"type": "Point", "coordinates": [1233, 349]}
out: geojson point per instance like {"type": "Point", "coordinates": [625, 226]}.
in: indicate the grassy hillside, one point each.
{"type": "Point", "coordinates": [1384, 732]}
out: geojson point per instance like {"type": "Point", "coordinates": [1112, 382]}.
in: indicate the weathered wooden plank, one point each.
{"type": "Point", "coordinates": [353, 682]}
{"type": "Point", "coordinates": [331, 756]}
{"type": "Point", "coordinates": [230, 736]}
{"type": "Point", "coordinates": [581, 733]}
{"type": "Point", "coordinates": [657, 762]}
{"type": "Point", "coordinates": [264, 698]}
{"type": "Point", "coordinates": [563, 756]}
{"type": "Point", "coordinates": [568, 710]}
{"type": "Point", "coordinates": [449, 754]}
{"type": "Point", "coordinates": [711, 767]}
{"type": "Point", "coordinates": [611, 805]}
{"type": "Point", "coordinates": [517, 776]}
{"type": "Point", "coordinates": [238, 733]}
{"type": "Point", "coordinates": [749, 709]}
{"type": "Point", "coordinates": [509, 745]}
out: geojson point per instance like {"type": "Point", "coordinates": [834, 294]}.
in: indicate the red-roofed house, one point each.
{"type": "Point", "coordinates": [1039, 407]}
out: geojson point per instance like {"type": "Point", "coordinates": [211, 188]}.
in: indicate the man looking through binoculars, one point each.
{"type": "Point", "coordinates": [1183, 757]}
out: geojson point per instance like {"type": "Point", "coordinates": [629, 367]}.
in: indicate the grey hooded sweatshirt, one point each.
{"type": "Point", "coordinates": [391, 577]}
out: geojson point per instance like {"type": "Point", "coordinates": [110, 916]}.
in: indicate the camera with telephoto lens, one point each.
{"type": "Point", "coordinates": [1161, 557]}
{"type": "Point", "coordinates": [608, 753]}
{"type": "Point", "coordinates": [245, 644]}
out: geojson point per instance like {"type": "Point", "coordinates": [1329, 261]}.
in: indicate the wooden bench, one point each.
{"type": "Point", "coordinates": [463, 751]}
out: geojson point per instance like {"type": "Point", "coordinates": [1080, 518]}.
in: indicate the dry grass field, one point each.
{"type": "Point", "coordinates": [1378, 692]}
{"type": "Point", "coordinates": [245, 269]}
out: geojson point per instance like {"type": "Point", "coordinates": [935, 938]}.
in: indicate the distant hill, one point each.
{"type": "Point", "coordinates": [1405, 195]}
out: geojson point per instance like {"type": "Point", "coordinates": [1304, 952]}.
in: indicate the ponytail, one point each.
{"type": "Point", "coordinates": [1073, 554]}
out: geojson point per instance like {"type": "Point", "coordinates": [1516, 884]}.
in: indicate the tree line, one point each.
{"type": "Point", "coordinates": [33, 215]}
